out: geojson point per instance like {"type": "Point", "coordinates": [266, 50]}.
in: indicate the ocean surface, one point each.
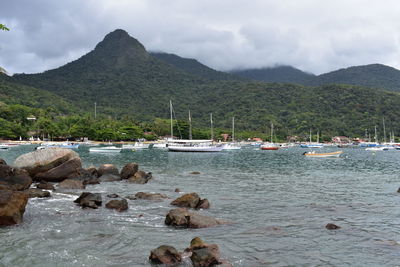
{"type": "Point", "coordinates": [279, 203]}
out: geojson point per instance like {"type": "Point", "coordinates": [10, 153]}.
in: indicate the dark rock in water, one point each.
{"type": "Point", "coordinates": [89, 200]}
{"type": "Point", "coordinates": [44, 160]}
{"type": "Point", "coordinates": [177, 190]}
{"type": "Point", "coordinates": [140, 177]}
{"type": "Point", "coordinates": [92, 180]}
{"type": "Point", "coordinates": [205, 255]}
{"type": "Point", "coordinates": [195, 173]}
{"type": "Point", "coordinates": [119, 205]}
{"type": "Point", "coordinates": [181, 217]}
{"type": "Point", "coordinates": [5, 170]}
{"type": "Point", "coordinates": [398, 190]}
{"type": "Point", "coordinates": [112, 196]}
{"type": "Point", "coordinates": [331, 226]}
{"type": "Point", "coordinates": [68, 169]}
{"type": "Point", "coordinates": [35, 192]}
{"type": "Point", "coordinates": [108, 169]}
{"type": "Point", "coordinates": [71, 184]}
{"type": "Point", "coordinates": [129, 170]}
{"type": "Point", "coordinates": [108, 177]}
{"type": "Point", "coordinates": [92, 171]}
{"type": "Point", "coordinates": [148, 196]}
{"type": "Point", "coordinates": [45, 185]}
{"type": "Point", "coordinates": [12, 207]}
{"type": "Point", "coordinates": [17, 181]}
{"type": "Point", "coordinates": [3, 162]}
{"type": "Point", "coordinates": [191, 200]}
{"type": "Point", "coordinates": [165, 255]}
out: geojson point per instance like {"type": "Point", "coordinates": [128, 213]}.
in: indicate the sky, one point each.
{"type": "Point", "coordinates": [316, 36]}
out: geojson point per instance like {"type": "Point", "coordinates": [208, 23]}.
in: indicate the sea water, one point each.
{"type": "Point", "coordinates": [278, 203]}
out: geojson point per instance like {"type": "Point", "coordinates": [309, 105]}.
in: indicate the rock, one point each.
{"type": "Point", "coordinates": [148, 196]}
{"type": "Point", "coordinates": [398, 190]}
{"type": "Point", "coordinates": [165, 255]}
{"type": "Point", "coordinates": [44, 159]}
{"type": "Point", "coordinates": [191, 200]}
{"type": "Point", "coordinates": [177, 190]}
{"type": "Point", "coordinates": [3, 162]}
{"type": "Point", "coordinates": [108, 169]}
{"type": "Point", "coordinates": [17, 181]}
{"type": "Point", "coordinates": [331, 226]}
{"type": "Point", "coordinates": [89, 200]}
{"type": "Point", "coordinates": [119, 205]}
{"type": "Point", "coordinates": [129, 170]}
{"type": "Point", "coordinates": [112, 196]}
{"type": "Point", "coordinates": [12, 207]}
{"type": "Point", "coordinates": [93, 171]}
{"type": "Point", "coordinates": [35, 192]}
{"type": "Point", "coordinates": [181, 217]}
{"type": "Point", "coordinates": [203, 254]}
{"type": "Point", "coordinates": [71, 184]}
{"type": "Point", "coordinates": [68, 169]}
{"type": "Point", "coordinates": [45, 185]}
{"type": "Point", "coordinates": [5, 170]}
{"type": "Point", "coordinates": [108, 177]}
{"type": "Point", "coordinates": [195, 173]}
{"type": "Point", "coordinates": [140, 177]}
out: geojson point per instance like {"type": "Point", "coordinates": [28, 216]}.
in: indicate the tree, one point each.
{"type": "Point", "coordinates": [3, 27]}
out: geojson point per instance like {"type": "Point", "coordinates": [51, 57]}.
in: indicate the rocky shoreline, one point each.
{"type": "Point", "coordinates": [37, 174]}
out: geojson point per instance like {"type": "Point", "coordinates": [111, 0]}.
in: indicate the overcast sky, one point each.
{"type": "Point", "coordinates": [313, 35]}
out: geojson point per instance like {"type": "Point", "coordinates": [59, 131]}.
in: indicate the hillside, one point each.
{"type": "Point", "coordinates": [279, 74]}
{"type": "Point", "coordinates": [194, 67]}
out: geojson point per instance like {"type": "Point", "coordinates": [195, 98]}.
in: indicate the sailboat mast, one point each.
{"type": "Point", "coordinates": [95, 110]}
{"type": "Point", "coordinates": [272, 132]}
{"type": "Point", "coordinates": [376, 136]}
{"type": "Point", "coordinates": [233, 129]}
{"type": "Point", "coordinates": [384, 130]}
{"type": "Point", "coordinates": [172, 128]}
{"type": "Point", "coordinates": [310, 136]}
{"type": "Point", "coordinates": [212, 130]}
{"type": "Point", "coordinates": [318, 137]}
{"type": "Point", "coordinates": [190, 126]}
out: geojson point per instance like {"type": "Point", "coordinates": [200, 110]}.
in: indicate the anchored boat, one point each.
{"type": "Point", "coordinates": [312, 154]}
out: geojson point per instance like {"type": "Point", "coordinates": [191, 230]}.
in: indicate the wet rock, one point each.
{"type": "Point", "coordinates": [92, 171]}
{"type": "Point", "coordinates": [181, 217]}
{"type": "Point", "coordinates": [331, 226]}
{"type": "Point", "coordinates": [195, 173]}
{"type": "Point", "coordinates": [92, 180]}
{"type": "Point", "coordinates": [140, 177]}
{"type": "Point", "coordinates": [44, 160]}
{"type": "Point", "coordinates": [191, 200]}
{"type": "Point", "coordinates": [119, 205]}
{"type": "Point", "coordinates": [3, 162]}
{"type": "Point", "coordinates": [205, 255]}
{"type": "Point", "coordinates": [112, 196]}
{"type": "Point", "coordinates": [45, 185]}
{"type": "Point", "coordinates": [398, 190]}
{"type": "Point", "coordinates": [68, 169]}
{"type": "Point", "coordinates": [12, 207]}
{"type": "Point", "coordinates": [177, 190]}
{"type": "Point", "coordinates": [17, 180]}
{"type": "Point", "coordinates": [108, 177]}
{"type": "Point", "coordinates": [5, 170]}
{"type": "Point", "coordinates": [89, 200]}
{"type": "Point", "coordinates": [108, 169]}
{"type": "Point", "coordinates": [39, 193]}
{"type": "Point", "coordinates": [129, 170]}
{"type": "Point", "coordinates": [165, 255]}
{"type": "Point", "coordinates": [71, 184]}
{"type": "Point", "coordinates": [148, 196]}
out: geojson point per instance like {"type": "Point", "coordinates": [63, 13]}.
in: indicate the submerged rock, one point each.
{"type": "Point", "coordinates": [140, 177]}
{"type": "Point", "coordinates": [181, 217]}
{"type": "Point", "coordinates": [195, 173]}
{"type": "Point", "coordinates": [147, 196]}
{"type": "Point", "coordinates": [112, 195]}
{"type": "Point", "coordinates": [12, 207]}
{"type": "Point", "coordinates": [45, 185]}
{"type": "Point", "coordinates": [89, 200]}
{"type": "Point", "coordinates": [68, 169]}
{"type": "Point", "coordinates": [165, 255]}
{"type": "Point", "coordinates": [119, 205]}
{"type": "Point", "coordinates": [331, 226]}
{"type": "Point", "coordinates": [191, 200]}
{"type": "Point", "coordinates": [129, 170]}
{"type": "Point", "coordinates": [44, 160]}
{"type": "Point", "coordinates": [35, 192]}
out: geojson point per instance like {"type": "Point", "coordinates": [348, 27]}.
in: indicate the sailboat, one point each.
{"type": "Point", "coordinates": [189, 145]}
{"type": "Point", "coordinates": [232, 145]}
{"type": "Point", "coordinates": [311, 144]}
{"type": "Point", "coordinates": [270, 145]}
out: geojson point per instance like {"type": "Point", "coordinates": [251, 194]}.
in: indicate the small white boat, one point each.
{"type": "Point", "coordinates": [105, 149]}
{"type": "Point", "coordinates": [136, 145]}
{"type": "Point", "coordinates": [194, 146]}
{"type": "Point", "coordinates": [4, 147]}
{"type": "Point", "coordinates": [312, 154]}
{"type": "Point", "coordinates": [232, 146]}
{"type": "Point", "coordinates": [380, 148]}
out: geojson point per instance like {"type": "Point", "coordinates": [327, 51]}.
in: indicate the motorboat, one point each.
{"type": "Point", "coordinates": [313, 154]}
{"type": "Point", "coordinates": [269, 146]}
{"type": "Point", "coordinates": [105, 149]}
{"type": "Point", "coordinates": [181, 145]}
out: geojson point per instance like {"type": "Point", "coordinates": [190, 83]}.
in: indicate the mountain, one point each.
{"type": "Point", "coordinates": [278, 74]}
{"type": "Point", "coordinates": [194, 67]}
{"type": "Point", "coordinates": [373, 75]}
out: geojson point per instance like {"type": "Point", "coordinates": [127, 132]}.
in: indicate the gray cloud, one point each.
{"type": "Point", "coordinates": [315, 36]}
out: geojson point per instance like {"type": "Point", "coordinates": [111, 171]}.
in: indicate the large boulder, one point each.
{"type": "Point", "coordinates": [181, 217]}
{"type": "Point", "coordinates": [191, 200]}
{"type": "Point", "coordinates": [44, 159]}
{"type": "Point", "coordinates": [205, 255]}
{"type": "Point", "coordinates": [12, 206]}
{"type": "Point", "coordinates": [108, 177]}
{"type": "Point", "coordinates": [129, 170]}
{"type": "Point", "coordinates": [107, 169]}
{"type": "Point", "coordinates": [17, 181]}
{"type": "Point", "coordinates": [68, 169]}
{"type": "Point", "coordinates": [140, 177]}
{"type": "Point", "coordinates": [89, 200]}
{"type": "Point", "coordinates": [165, 255]}
{"type": "Point", "coordinates": [35, 192]}
{"type": "Point", "coordinates": [71, 184]}
{"type": "Point", "coordinates": [119, 205]}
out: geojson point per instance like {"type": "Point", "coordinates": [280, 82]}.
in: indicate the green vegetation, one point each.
{"type": "Point", "coordinates": [3, 27]}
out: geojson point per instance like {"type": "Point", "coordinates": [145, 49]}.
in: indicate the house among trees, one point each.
{"type": "Point", "coordinates": [341, 140]}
